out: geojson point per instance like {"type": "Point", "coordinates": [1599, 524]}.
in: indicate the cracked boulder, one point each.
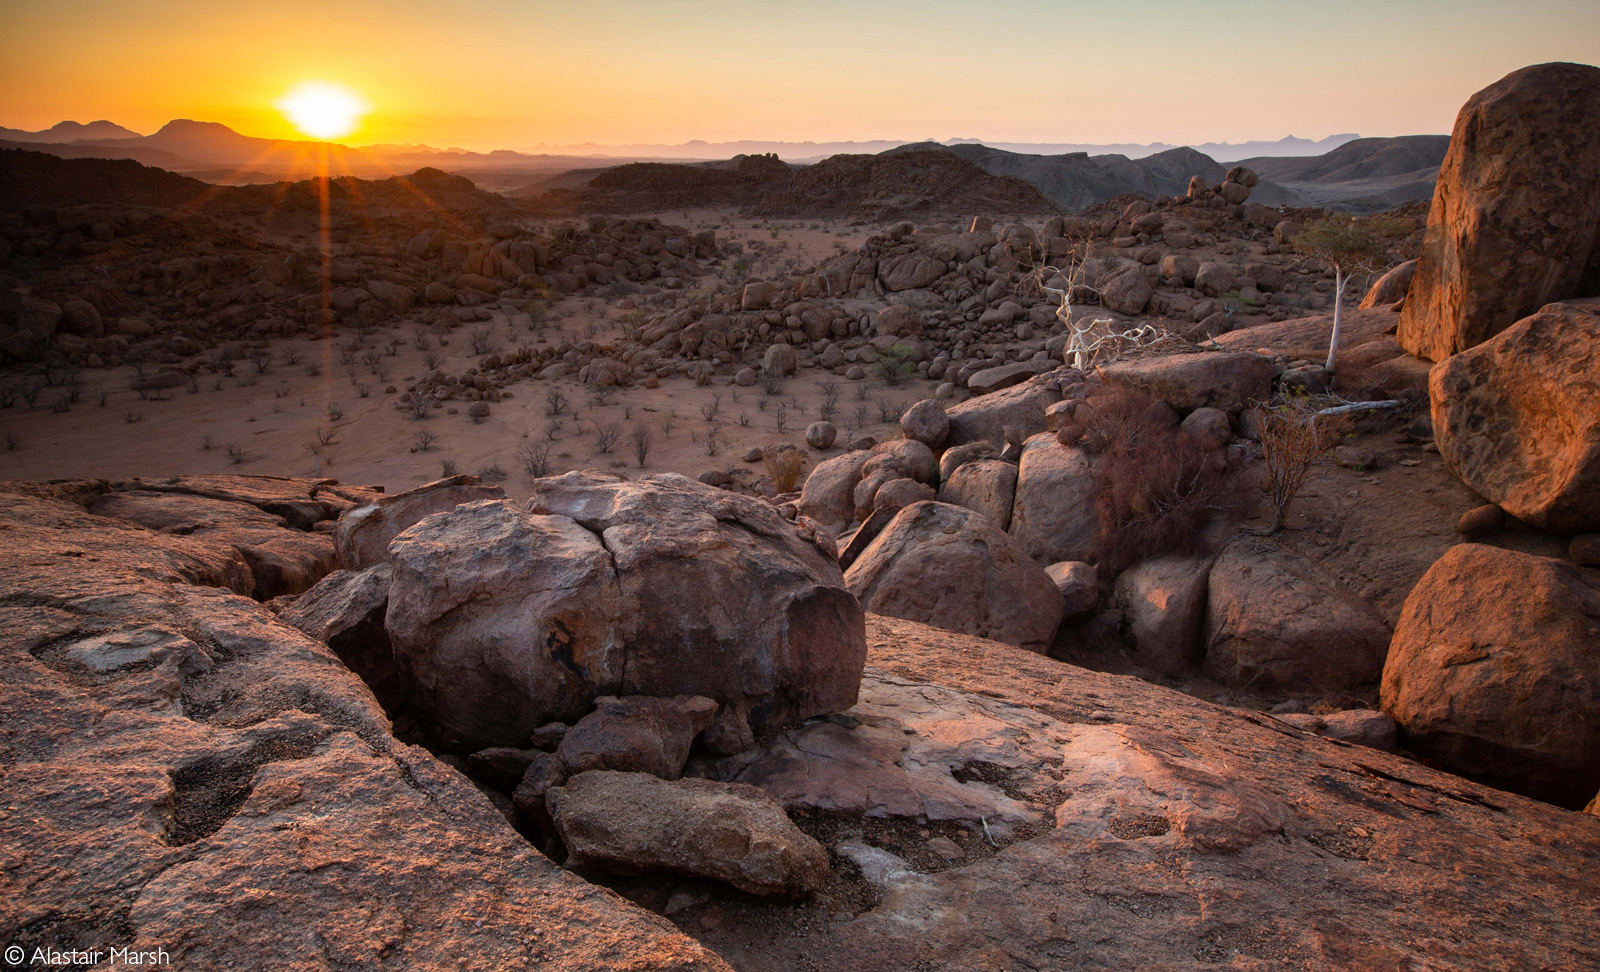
{"type": "Point", "coordinates": [662, 587]}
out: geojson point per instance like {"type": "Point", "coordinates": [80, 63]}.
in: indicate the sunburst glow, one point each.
{"type": "Point", "coordinates": [323, 110]}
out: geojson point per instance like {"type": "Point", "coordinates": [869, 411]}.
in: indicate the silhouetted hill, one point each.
{"type": "Point", "coordinates": [68, 131]}
{"type": "Point", "coordinates": [30, 178]}
{"type": "Point", "coordinates": [890, 185]}
{"type": "Point", "coordinates": [902, 183]}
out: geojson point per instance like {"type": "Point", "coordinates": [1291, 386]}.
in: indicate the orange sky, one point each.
{"type": "Point", "coordinates": [489, 74]}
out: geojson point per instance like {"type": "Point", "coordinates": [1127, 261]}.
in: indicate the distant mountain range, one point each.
{"type": "Point", "coordinates": [216, 153]}
{"type": "Point", "coordinates": [812, 151]}
{"type": "Point", "coordinates": [1346, 171]}
{"type": "Point", "coordinates": [194, 146]}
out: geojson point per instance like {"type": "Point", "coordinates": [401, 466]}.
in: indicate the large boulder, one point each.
{"type": "Point", "coordinates": [720, 596]}
{"type": "Point", "coordinates": [999, 377]}
{"type": "Point", "coordinates": [1228, 380]}
{"type": "Point", "coordinates": [1215, 279]}
{"type": "Point", "coordinates": [899, 320]}
{"type": "Point", "coordinates": [1275, 622]}
{"type": "Point", "coordinates": [363, 534]}
{"type": "Point", "coordinates": [1516, 212]}
{"type": "Point", "coordinates": [527, 630]}
{"type": "Point", "coordinates": [987, 486]}
{"type": "Point", "coordinates": [828, 496]}
{"type": "Point", "coordinates": [926, 422]}
{"type": "Point", "coordinates": [1053, 517]}
{"type": "Point", "coordinates": [1127, 291]}
{"type": "Point", "coordinates": [954, 569]}
{"type": "Point", "coordinates": [1517, 417]}
{"type": "Point", "coordinates": [1494, 671]}
{"type": "Point", "coordinates": [633, 823]}
{"type": "Point", "coordinates": [659, 587]}
{"type": "Point", "coordinates": [914, 457]}
{"type": "Point", "coordinates": [1018, 409]}
{"type": "Point", "coordinates": [909, 271]}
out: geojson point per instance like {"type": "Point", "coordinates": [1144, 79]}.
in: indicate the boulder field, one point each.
{"type": "Point", "coordinates": [181, 768]}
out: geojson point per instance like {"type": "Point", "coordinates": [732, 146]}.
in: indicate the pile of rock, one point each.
{"type": "Point", "coordinates": [649, 616]}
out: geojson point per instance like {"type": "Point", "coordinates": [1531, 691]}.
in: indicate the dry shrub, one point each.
{"type": "Point", "coordinates": [784, 466]}
{"type": "Point", "coordinates": [1156, 489]}
{"type": "Point", "coordinates": [1293, 438]}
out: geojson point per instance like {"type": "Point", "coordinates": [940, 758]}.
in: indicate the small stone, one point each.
{"type": "Point", "coordinates": [947, 849]}
{"type": "Point", "coordinates": [1480, 521]}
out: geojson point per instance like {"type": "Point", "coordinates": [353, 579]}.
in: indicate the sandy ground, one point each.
{"type": "Point", "coordinates": [275, 420]}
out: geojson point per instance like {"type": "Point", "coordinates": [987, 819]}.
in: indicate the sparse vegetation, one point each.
{"type": "Point", "coordinates": [605, 437]}
{"type": "Point", "coordinates": [784, 465]}
{"type": "Point", "coordinates": [896, 365]}
{"type": "Point", "coordinates": [534, 458]}
{"type": "Point", "coordinates": [1293, 438]}
{"type": "Point", "coordinates": [830, 399]}
{"type": "Point", "coordinates": [642, 438]}
{"type": "Point", "coordinates": [422, 440]}
{"type": "Point", "coordinates": [1156, 488]}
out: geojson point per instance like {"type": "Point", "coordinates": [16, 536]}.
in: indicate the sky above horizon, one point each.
{"type": "Point", "coordinates": [486, 74]}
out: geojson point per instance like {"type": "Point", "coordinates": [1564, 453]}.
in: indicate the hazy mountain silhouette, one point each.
{"type": "Point", "coordinates": [68, 131]}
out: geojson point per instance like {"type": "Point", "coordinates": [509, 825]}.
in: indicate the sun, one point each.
{"type": "Point", "coordinates": [323, 110]}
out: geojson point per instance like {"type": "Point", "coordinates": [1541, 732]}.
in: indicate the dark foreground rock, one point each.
{"type": "Point", "coordinates": [632, 823]}
{"type": "Point", "coordinates": [182, 770]}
